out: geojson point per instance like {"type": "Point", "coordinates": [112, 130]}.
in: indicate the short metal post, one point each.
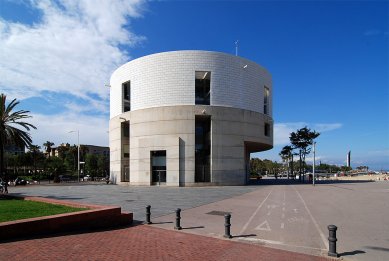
{"type": "Point", "coordinates": [148, 215]}
{"type": "Point", "coordinates": [178, 219]}
{"type": "Point", "coordinates": [332, 241]}
{"type": "Point", "coordinates": [227, 226]}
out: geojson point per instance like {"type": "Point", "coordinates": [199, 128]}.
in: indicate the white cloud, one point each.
{"type": "Point", "coordinates": [282, 130]}
{"type": "Point", "coordinates": [56, 128]}
{"type": "Point", "coordinates": [73, 49]}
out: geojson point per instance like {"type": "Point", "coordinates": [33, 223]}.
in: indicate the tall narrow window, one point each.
{"type": "Point", "coordinates": [202, 149]}
{"type": "Point", "coordinates": [158, 166]}
{"type": "Point", "coordinates": [203, 88]}
{"type": "Point", "coordinates": [267, 129]}
{"type": "Point", "coordinates": [126, 96]}
{"type": "Point", "coordinates": [266, 94]}
{"type": "Point", "coordinates": [125, 138]}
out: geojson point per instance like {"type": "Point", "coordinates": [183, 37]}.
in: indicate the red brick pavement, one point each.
{"type": "Point", "coordinates": [141, 243]}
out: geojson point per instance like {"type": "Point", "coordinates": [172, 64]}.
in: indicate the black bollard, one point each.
{"type": "Point", "coordinates": [148, 215]}
{"type": "Point", "coordinates": [227, 226]}
{"type": "Point", "coordinates": [332, 241]}
{"type": "Point", "coordinates": [178, 218]}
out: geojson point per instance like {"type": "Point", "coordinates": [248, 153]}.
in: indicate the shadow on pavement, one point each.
{"type": "Point", "coordinates": [52, 197]}
{"type": "Point", "coordinates": [192, 227]}
{"type": "Point", "coordinates": [351, 253]}
{"type": "Point", "coordinates": [378, 248]}
{"type": "Point", "coordinates": [67, 233]}
{"type": "Point", "coordinates": [249, 235]}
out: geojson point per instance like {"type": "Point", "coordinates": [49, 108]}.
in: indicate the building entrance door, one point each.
{"type": "Point", "coordinates": [158, 167]}
{"type": "Point", "coordinates": [126, 174]}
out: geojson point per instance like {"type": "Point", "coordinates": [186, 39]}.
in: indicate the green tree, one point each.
{"type": "Point", "coordinates": [34, 150]}
{"type": "Point", "coordinates": [10, 122]}
{"type": "Point", "coordinates": [91, 164]}
{"type": "Point", "coordinates": [55, 167]}
{"type": "Point", "coordinates": [48, 145]}
{"type": "Point", "coordinates": [302, 139]}
{"type": "Point", "coordinates": [286, 155]}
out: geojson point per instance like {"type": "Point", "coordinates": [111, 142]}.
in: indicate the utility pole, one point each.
{"type": "Point", "coordinates": [314, 161]}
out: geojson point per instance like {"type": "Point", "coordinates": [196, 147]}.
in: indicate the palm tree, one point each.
{"type": "Point", "coordinates": [48, 145]}
{"type": "Point", "coordinates": [9, 133]}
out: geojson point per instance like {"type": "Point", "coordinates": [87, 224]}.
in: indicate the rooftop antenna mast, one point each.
{"type": "Point", "coordinates": [236, 47]}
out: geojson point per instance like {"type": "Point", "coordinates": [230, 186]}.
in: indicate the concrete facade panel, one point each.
{"type": "Point", "coordinates": [163, 113]}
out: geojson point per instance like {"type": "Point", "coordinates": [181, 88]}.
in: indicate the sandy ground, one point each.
{"type": "Point", "coordinates": [374, 177]}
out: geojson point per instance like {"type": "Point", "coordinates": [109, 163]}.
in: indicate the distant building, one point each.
{"type": "Point", "coordinates": [89, 149]}
{"type": "Point", "coordinates": [349, 159]}
{"type": "Point", "coordinates": [188, 118]}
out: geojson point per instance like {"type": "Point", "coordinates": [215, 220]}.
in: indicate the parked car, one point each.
{"type": "Point", "coordinates": [64, 178]}
{"type": "Point", "coordinates": [19, 181]}
{"type": "Point", "coordinates": [87, 178]}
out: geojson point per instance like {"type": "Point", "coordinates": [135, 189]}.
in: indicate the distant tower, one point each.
{"type": "Point", "coordinates": [349, 159]}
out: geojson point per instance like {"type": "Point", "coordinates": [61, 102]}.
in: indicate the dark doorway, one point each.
{"type": "Point", "coordinates": [158, 167]}
{"type": "Point", "coordinates": [203, 149]}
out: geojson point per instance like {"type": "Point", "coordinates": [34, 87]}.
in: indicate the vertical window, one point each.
{"type": "Point", "coordinates": [126, 96]}
{"type": "Point", "coordinates": [267, 129]}
{"type": "Point", "coordinates": [158, 166]}
{"type": "Point", "coordinates": [202, 149]}
{"type": "Point", "coordinates": [125, 139]}
{"type": "Point", "coordinates": [125, 129]}
{"type": "Point", "coordinates": [266, 101]}
{"type": "Point", "coordinates": [202, 88]}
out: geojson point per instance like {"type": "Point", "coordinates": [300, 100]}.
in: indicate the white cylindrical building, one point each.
{"type": "Point", "coordinates": [188, 118]}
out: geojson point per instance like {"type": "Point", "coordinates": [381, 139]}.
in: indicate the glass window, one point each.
{"type": "Point", "coordinates": [266, 101]}
{"type": "Point", "coordinates": [202, 149]}
{"type": "Point", "coordinates": [202, 87]}
{"type": "Point", "coordinates": [126, 96]}
{"type": "Point", "coordinates": [267, 129]}
{"type": "Point", "coordinates": [125, 129]}
{"type": "Point", "coordinates": [158, 166]}
{"type": "Point", "coordinates": [126, 151]}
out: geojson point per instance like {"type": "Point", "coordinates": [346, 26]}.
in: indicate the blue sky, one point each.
{"type": "Point", "coordinates": [329, 61]}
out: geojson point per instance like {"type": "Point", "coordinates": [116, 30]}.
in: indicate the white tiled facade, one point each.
{"type": "Point", "coordinates": [167, 79]}
{"type": "Point", "coordinates": [163, 112]}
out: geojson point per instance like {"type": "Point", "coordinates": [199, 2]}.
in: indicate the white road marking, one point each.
{"type": "Point", "coordinates": [259, 240]}
{"type": "Point", "coordinates": [323, 238]}
{"type": "Point", "coordinates": [282, 225]}
{"type": "Point", "coordinates": [272, 206]}
{"type": "Point", "coordinates": [255, 212]}
{"type": "Point", "coordinates": [263, 226]}
{"type": "Point", "coordinates": [295, 210]}
{"type": "Point", "coordinates": [262, 240]}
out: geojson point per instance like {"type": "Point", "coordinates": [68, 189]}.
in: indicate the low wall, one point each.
{"type": "Point", "coordinates": [96, 217]}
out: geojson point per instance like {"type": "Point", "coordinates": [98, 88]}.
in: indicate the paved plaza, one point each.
{"type": "Point", "coordinates": [277, 214]}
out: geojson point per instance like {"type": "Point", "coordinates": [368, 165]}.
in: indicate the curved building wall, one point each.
{"type": "Point", "coordinates": [166, 79]}
{"type": "Point", "coordinates": [163, 117]}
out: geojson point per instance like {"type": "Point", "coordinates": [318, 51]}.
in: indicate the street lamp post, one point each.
{"type": "Point", "coordinates": [314, 161]}
{"type": "Point", "coordinates": [78, 153]}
